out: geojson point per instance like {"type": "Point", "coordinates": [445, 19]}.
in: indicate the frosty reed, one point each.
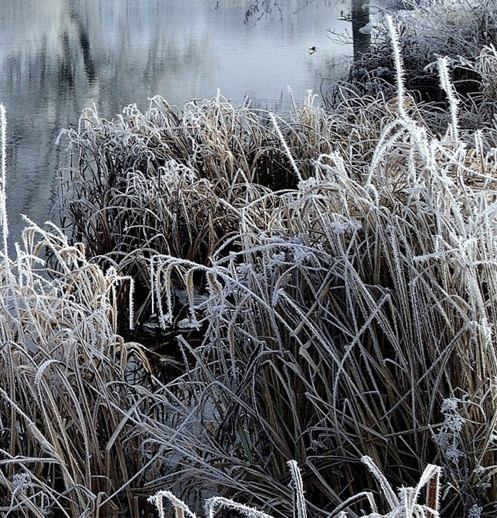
{"type": "Point", "coordinates": [339, 267]}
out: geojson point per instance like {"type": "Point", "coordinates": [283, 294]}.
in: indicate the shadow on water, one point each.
{"type": "Point", "coordinates": [84, 43]}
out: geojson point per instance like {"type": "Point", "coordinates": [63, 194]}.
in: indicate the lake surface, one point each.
{"type": "Point", "coordinates": [59, 56]}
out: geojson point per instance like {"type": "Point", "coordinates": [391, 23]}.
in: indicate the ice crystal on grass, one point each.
{"type": "Point", "coordinates": [449, 435]}
{"type": "Point", "coordinates": [21, 482]}
{"type": "Point", "coordinates": [474, 511]}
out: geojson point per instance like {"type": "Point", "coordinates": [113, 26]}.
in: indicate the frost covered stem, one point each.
{"type": "Point", "coordinates": [399, 67]}
{"type": "Point", "coordinates": [3, 200]}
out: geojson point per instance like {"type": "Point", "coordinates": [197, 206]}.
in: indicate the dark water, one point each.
{"type": "Point", "coordinates": [59, 56]}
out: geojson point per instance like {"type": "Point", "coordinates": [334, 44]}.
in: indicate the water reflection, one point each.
{"type": "Point", "coordinates": [59, 56]}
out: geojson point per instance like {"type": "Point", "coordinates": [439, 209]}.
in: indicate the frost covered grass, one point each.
{"type": "Point", "coordinates": [406, 504]}
{"type": "Point", "coordinates": [348, 311]}
{"type": "Point", "coordinates": [340, 270]}
{"type": "Point", "coordinates": [70, 444]}
{"type": "Point", "coordinates": [357, 322]}
{"type": "Point", "coordinates": [160, 182]}
{"type": "Point", "coordinates": [463, 31]}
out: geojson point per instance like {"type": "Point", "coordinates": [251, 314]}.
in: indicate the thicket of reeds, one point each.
{"type": "Point", "coordinates": [459, 30]}
{"type": "Point", "coordinates": [340, 271]}
{"type": "Point", "coordinates": [69, 420]}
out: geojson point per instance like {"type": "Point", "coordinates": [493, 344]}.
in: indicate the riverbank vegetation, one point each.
{"type": "Point", "coordinates": [233, 291]}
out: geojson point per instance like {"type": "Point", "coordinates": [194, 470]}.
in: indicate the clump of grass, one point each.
{"type": "Point", "coordinates": [406, 505]}
{"type": "Point", "coordinates": [429, 29]}
{"type": "Point", "coordinates": [178, 184]}
{"type": "Point", "coordinates": [345, 312]}
{"type": "Point", "coordinates": [354, 308]}
{"type": "Point", "coordinates": [340, 331]}
{"type": "Point", "coordinates": [71, 442]}
{"type": "Point", "coordinates": [163, 182]}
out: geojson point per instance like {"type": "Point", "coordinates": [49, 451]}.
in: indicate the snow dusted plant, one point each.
{"type": "Point", "coordinates": [404, 505]}
{"type": "Point", "coordinates": [347, 301]}
{"type": "Point", "coordinates": [449, 434]}
{"type": "Point", "coordinates": [64, 391]}
{"type": "Point", "coordinates": [432, 28]}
